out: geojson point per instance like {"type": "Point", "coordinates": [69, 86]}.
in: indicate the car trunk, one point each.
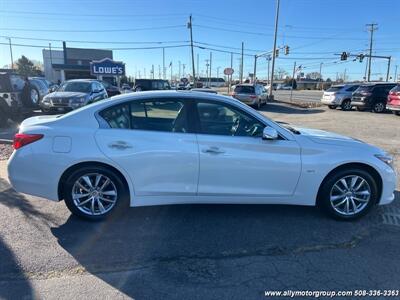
{"type": "Point", "coordinates": [245, 93]}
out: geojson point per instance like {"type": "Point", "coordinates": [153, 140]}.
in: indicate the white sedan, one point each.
{"type": "Point", "coordinates": [172, 147]}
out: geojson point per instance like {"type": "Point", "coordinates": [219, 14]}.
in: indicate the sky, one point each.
{"type": "Point", "coordinates": [315, 30]}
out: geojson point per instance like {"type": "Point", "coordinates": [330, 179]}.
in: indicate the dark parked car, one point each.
{"type": "Point", "coordinates": [11, 102]}
{"type": "Point", "coordinates": [371, 96]}
{"type": "Point", "coordinates": [151, 85]}
{"type": "Point", "coordinates": [112, 90]}
{"type": "Point", "coordinates": [393, 101]}
{"type": "Point", "coordinates": [73, 94]}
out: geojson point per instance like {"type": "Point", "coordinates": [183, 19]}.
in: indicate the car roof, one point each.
{"type": "Point", "coordinates": [247, 84]}
{"type": "Point", "coordinates": [83, 80]}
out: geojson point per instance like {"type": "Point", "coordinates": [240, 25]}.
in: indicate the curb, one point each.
{"type": "Point", "coordinates": [301, 104]}
{"type": "Point", "coordinates": [5, 141]}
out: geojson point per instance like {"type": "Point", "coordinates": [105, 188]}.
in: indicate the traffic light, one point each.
{"type": "Point", "coordinates": [276, 52]}
{"type": "Point", "coordinates": [361, 57]}
{"type": "Point", "coordinates": [343, 56]}
{"type": "Point", "coordinates": [286, 50]}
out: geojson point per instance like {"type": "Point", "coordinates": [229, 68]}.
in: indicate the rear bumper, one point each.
{"type": "Point", "coordinates": [393, 107]}
{"type": "Point", "coordinates": [248, 101]}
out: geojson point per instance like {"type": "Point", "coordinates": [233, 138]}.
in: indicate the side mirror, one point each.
{"type": "Point", "coordinates": [270, 133]}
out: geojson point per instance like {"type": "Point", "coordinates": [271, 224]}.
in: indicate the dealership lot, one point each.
{"type": "Point", "coordinates": [204, 251]}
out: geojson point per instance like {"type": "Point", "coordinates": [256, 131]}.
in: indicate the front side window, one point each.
{"type": "Point", "coordinates": [221, 119]}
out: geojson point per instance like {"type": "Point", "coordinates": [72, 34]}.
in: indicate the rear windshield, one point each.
{"type": "Point", "coordinates": [244, 89]}
{"type": "Point", "coordinates": [335, 88]}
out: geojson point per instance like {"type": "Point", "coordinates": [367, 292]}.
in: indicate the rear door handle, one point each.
{"type": "Point", "coordinates": [213, 150]}
{"type": "Point", "coordinates": [120, 145]}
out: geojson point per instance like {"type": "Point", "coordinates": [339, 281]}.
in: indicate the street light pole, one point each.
{"type": "Point", "coordinates": [191, 46]}
{"type": "Point", "coordinates": [320, 76]}
{"type": "Point", "coordinates": [255, 69]}
{"type": "Point", "coordinates": [274, 50]}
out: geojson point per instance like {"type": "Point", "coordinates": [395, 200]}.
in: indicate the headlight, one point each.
{"type": "Point", "coordinates": [387, 159]}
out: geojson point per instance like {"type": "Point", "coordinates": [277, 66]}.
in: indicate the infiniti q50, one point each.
{"type": "Point", "coordinates": [170, 147]}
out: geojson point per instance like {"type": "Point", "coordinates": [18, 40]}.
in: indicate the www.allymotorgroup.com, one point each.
{"type": "Point", "coordinates": [332, 294]}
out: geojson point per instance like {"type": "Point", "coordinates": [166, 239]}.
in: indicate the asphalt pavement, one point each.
{"type": "Point", "coordinates": [200, 251]}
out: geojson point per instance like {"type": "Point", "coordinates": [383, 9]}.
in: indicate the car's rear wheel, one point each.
{"type": "Point", "coordinates": [94, 192]}
{"type": "Point", "coordinates": [346, 105]}
{"type": "Point", "coordinates": [397, 113]}
{"type": "Point", "coordinates": [348, 194]}
{"type": "Point", "coordinates": [379, 107]}
{"type": "Point", "coordinates": [332, 106]}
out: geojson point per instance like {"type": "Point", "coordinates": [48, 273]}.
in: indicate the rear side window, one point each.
{"type": "Point", "coordinates": [334, 88]}
{"type": "Point", "coordinates": [244, 89]}
{"type": "Point", "coordinates": [117, 116]}
{"type": "Point", "coordinates": [352, 88]}
{"type": "Point", "coordinates": [159, 115]}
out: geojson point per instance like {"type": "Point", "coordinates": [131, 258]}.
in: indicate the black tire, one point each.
{"type": "Point", "coordinates": [379, 107]}
{"type": "Point", "coordinates": [324, 195]}
{"type": "Point", "coordinates": [122, 194]}
{"type": "Point", "coordinates": [332, 106]}
{"type": "Point", "coordinates": [346, 105]}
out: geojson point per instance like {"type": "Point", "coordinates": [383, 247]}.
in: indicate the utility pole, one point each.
{"type": "Point", "coordinates": [183, 70]}
{"type": "Point", "coordinates": [159, 72]}
{"type": "Point", "coordinates": [344, 75]}
{"type": "Point", "coordinates": [207, 65]}
{"type": "Point", "coordinates": [11, 54]}
{"type": "Point", "coordinates": [294, 73]}
{"type": "Point", "coordinates": [171, 70]}
{"type": "Point", "coordinates": [395, 74]}
{"type": "Point", "coordinates": [191, 46]}
{"type": "Point", "coordinates": [388, 69]}
{"type": "Point", "coordinates": [255, 69]}
{"type": "Point", "coordinates": [371, 28]}
{"type": "Point", "coordinates": [179, 62]}
{"type": "Point", "coordinates": [209, 78]}
{"type": "Point", "coordinates": [163, 61]}
{"type": "Point", "coordinates": [152, 71]}
{"type": "Point", "coordinates": [241, 65]}
{"type": "Point", "coordinates": [230, 76]}
{"type": "Point", "coordinates": [274, 50]}
{"type": "Point", "coordinates": [268, 60]}
{"type": "Point", "coordinates": [218, 71]}
{"type": "Point", "coordinates": [320, 76]}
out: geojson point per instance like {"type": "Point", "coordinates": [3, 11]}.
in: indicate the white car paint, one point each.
{"type": "Point", "coordinates": [173, 168]}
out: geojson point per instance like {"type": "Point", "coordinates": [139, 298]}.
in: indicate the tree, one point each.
{"type": "Point", "coordinates": [26, 67]}
{"type": "Point", "coordinates": [280, 73]}
{"type": "Point", "coordinates": [314, 75]}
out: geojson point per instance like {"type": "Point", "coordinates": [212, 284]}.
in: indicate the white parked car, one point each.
{"type": "Point", "coordinates": [171, 147]}
{"type": "Point", "coordinates": [339, 95]}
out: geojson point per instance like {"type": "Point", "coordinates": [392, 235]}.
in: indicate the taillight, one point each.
{"type": "Point", "coordinates": [22, 139]}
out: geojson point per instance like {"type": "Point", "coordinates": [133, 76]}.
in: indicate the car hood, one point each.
{"type": "Point", "coordinates": [66, 95]}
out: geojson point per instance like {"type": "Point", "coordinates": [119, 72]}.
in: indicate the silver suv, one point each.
{"type": "Point", "coordinates": [254, 95]}
{"type": "Point", "coordinates": [339, 95]}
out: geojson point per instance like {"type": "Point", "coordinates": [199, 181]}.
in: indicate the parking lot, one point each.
{"type": "Point", "coordinates": [203, 251]}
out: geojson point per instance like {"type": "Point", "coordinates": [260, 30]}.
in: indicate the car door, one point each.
{"type": "Point", "coordinates": [152, 141]}
{"type": "Point", "coordinates": [235, 160]}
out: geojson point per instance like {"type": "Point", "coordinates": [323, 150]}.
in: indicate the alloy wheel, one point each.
{"type": "Point", "coordinates": [350, 195]}
{"type": "Point", "coordinates": [94, 194]}
{"type": "Point", "coordinates": [379, 107]}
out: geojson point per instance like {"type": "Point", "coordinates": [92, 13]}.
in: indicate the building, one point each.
{"type": "Point", "coordinates": [72, 63]}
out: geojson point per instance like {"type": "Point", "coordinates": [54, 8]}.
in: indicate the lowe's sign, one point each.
{"type": "Point", "coordinates": [107, 67]}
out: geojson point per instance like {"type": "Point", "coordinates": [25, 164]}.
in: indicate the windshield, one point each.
{"type": "Point", "coordinates": [76, 86]}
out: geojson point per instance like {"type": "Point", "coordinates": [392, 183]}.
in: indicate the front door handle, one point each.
{"type": "Point", "coordinates": [120, 145]}
{"type": "Point", "coordinates": [213, 150]}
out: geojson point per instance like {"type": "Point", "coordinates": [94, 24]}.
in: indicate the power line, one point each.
{"type": "Point", "coordinates": [95, 30]}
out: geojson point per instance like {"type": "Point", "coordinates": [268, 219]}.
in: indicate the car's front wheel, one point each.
{"type": "Point", "coordinates": [348, 194]}
{"type": "Point", "coordinates": [346, 105]}
{"type": "Point", "coordinates": [94, 192]}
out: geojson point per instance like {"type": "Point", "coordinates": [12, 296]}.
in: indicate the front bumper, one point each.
{"type": "Point", "coordinates": [330, 101]}
{"type": "Point", "coordinates": [393, 107]}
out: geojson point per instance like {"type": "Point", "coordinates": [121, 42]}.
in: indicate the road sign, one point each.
{"type": "Point", "coordinates": [228, 71]}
